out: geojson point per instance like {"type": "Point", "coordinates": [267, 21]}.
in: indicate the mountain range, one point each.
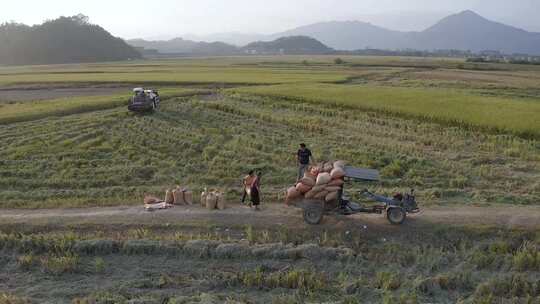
{"type": "Point", "coordinates": [463, 31]}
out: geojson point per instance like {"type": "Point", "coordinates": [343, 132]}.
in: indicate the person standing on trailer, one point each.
{"type": "Point", "coordinates": [303, 158]}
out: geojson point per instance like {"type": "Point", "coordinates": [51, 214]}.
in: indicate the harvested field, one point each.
{"type": "Point", "coordinates": [73, 172]}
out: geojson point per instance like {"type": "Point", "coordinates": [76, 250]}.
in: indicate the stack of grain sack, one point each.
{"type": "Point", "coordinates": [321, 182]}
{"type": "Point", "coordinates": [213, 199]}
{"type": "Point", "coordinates": [179, 196]}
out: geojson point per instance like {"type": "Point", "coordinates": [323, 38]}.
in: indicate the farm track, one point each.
{"type": "Point", "coordinates": [275, 214]}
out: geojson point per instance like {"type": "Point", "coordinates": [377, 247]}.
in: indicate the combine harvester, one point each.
{"type": "Point", "coordinates": [144, 101]}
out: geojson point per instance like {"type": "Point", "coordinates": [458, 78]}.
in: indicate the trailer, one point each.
{"type": "Point", "coordinates": [395, 208]}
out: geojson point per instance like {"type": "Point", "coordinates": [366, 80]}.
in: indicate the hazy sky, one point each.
{"type": "Point", "coordinates": [169, 18]}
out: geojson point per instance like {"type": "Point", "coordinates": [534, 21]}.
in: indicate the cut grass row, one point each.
{"type": "Point", "coordinates": [27, 111]}
{"type": "Point", "coordinates": [455, 107]}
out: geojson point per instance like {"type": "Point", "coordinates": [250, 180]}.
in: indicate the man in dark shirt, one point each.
{"type": "Point", "coordinates": [303, 158]}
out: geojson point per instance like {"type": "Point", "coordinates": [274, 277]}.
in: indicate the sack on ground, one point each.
{"type": "Point", "coordinates": [169, 199]}
{"type": "Point", "coordinates": [149, 199]}
{"type": "Point", "coordinates": [220, 201]}
{"type": "Point", "coordinates": [204, 194]}
{"type": "Point", "coordinates": [211, 201]}
{"type": "Point", "coordinates": [323, 179]}
{"type": "Point", "coordinates": [177, 195]}
{"type": "Point", "coordinates": [188, 197]}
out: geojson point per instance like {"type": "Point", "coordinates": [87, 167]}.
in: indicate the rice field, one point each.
{"type": "Point", "coordinates": [454, 107]}
{"type": "Point", "coordinates": [463, 135]}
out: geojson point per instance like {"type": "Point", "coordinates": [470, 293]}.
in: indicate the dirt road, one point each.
{"type": "Point", "coordinates": [522, 217]}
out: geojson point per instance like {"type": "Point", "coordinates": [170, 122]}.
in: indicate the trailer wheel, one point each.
{"type": "Point", "coordinates": [313, 215]}
{"type": "Point", "coordinates": [396, 216]}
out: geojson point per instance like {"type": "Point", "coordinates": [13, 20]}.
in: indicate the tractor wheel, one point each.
{"type": "Point", "coordinates": [313, 214]}
{"type": "Point", "coordinates": [396, 216]}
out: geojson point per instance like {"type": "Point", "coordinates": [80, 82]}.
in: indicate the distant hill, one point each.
{"type": "Point", "coordinates": [189, 47]}
{"type": "Point", "coordinates": [64, 40]}
{"type": "Point", "coordinates": [463, 31]}
{"type": "Point", "coordinates": [288, 45]}
{"type": "Point", "coordinates": [468, 30]}
{"type": "Point", "coordinates": [349, 35]}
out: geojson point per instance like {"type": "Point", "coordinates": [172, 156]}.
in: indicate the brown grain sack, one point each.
{"type": "Point", "coordinates": [211, 201]}
{"type": "Point", "coordinates": [188, 197]}
{"type": "Point", "coordinates": [203, 197]}
{"type": "Point", "coordinates": [332, 188]}
{"type": "Point", "coordinates": [149, 199]}
{"type": "Point", "coordinates": [335, 183]}
{"type": "Point", "coordinates": [328, 167]}
{"type": "Point", "coordinates": [331, 196]}
{"type": "Point", "coordinates": [220, 201]}
{"type": "Point", "coordinates": [292, 194]}
{"type": "Point", "coordinates": [337, 173]}
{"type": "Point", "coordinates": [302, 188]}
{"type": "Point", "coordinates": [323, 179]}
{"type": "Point", "coordinates": [321, 195]}
{"type": "Point", "coordinates": [339, 164]}
{"type": "Point", "coordinates": [177, 194]}
{"type": "Point", "coordinates": [314, 191]}
{"type": "Point", "coordinates": [315, 171]}
{"type": "Point", "coordinates": [308, 181]}
{"type": "Point", "coordinates": [169, 199]}
{"type": "Point", "coordinates": [309, 175]}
